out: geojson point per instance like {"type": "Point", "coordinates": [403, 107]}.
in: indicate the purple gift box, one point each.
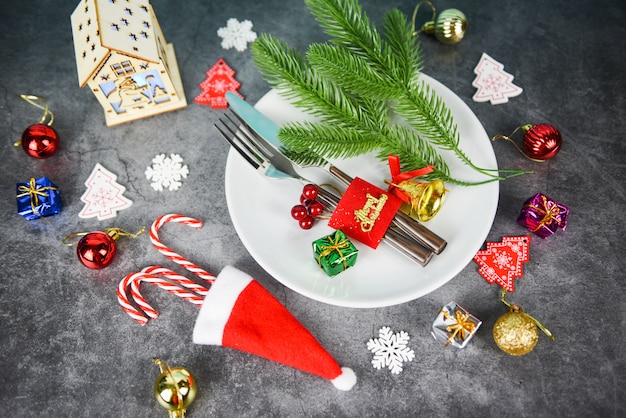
{"type": "Point", "coordinates": [543, 216]}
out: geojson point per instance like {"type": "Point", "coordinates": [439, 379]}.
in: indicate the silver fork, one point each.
{"type": "Point", "coordinates": [277, 166]}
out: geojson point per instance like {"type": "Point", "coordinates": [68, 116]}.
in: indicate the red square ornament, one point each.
{"type": "Point", "coordinates": [365, 212]}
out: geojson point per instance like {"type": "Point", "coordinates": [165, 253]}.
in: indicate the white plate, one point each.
{"type": "Point", "coordinates": [260, 211]}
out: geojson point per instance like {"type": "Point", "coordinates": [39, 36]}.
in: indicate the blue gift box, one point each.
{"type": "Point", "coordinates": [37, 198]}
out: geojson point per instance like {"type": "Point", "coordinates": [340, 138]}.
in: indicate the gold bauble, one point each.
{"type": "Point", "coordinates": [175, 389]}
{"type": "Point", "coordinates": [515, 333]}
{"type": "Point", "coordinates": [449, 27]}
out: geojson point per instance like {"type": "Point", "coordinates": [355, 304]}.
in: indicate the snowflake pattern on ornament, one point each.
{"type": "Point", "coordinates": [390, 350]}
{"type": "Point", "coordinates": [236, 34]}
{"type": "Point", "coordinates": [166, 172]}
{"type": "Point", "coordinates": [493, 83]}
{"type": "Point", "coordinates": [502, 259]}
{"type": "Point", "coordinates": [104, 197]}
{"type": "Point", "coordinates": [219, 79]}
{"type": "Point", "coordinates": [501, 262]}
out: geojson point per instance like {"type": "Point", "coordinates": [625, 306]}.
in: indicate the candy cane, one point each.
{"type": "Point", "coordinates": [169, 253]}
{"type": "Point", "coordinates": [177, 278]}
{"type": "Point", "coordinates": [124, 302]}
{"type": "Point", "coordinates": [163, 284]}
{"type": "Point", "coordinates": [134, 280]}
{"type": "Point", "coordinates": [181, 286]}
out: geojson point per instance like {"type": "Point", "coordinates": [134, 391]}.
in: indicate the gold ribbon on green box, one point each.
{"type": "Point", "coordinates": [332, 248]}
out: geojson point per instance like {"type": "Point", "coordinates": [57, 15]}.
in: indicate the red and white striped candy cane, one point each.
{"type": "Point", "coordinates": [177, 278]}
{"type": "Point", "coordinates": [124, 302]}
{"type": "Point", "coordinates": [181, 286]}
{"type": "Point", "coordinates": [134, 280]}
{"type": "Point", "coordinates": [163, 284]}
{"type": "Point", "coordinates": [169, 253]}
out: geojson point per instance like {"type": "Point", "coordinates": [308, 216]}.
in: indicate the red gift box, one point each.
{"type": "Point", "coordinates": [365, 212]}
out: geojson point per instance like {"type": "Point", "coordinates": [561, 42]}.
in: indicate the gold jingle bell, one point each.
{"type": "Point", "coordinates": [431, 197]}
{"type": "Point", "coordinates": [449, 27]}
{"type": "Point", "coordinates": [175, 389]}
{"type": "Point", "coordinates": [426, 198]}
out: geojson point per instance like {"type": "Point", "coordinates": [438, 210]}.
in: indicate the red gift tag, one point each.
{"type": "Point", "coordinates": [365, 212]}
{"type": "Point", "coordinates": [502, 261]}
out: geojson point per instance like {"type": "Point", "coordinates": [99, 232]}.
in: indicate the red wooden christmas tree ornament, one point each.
{"type": "Point", "coordinates": [219, 80]}
{"type": "Point", "coordinates": [502, 261]}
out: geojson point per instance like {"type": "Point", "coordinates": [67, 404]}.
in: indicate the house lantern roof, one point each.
{"type": "Point", "coordinates": [102, 26]}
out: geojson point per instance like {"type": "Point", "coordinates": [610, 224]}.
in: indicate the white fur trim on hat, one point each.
{"type": "Point", "coordinates": [346, 380]}
{"type": "Point", "coordinates": [218, 305]}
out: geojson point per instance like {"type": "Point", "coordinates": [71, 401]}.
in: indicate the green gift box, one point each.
{"type": "Point", "coordinates": [334, 253]}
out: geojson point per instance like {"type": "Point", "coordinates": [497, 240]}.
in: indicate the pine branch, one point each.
{"type": "Point", "coordinates": [433, 120]}
{"type": "Point", "coordinates": [328, 140]}
{"type": "Point", "coordinates": [402, 44]}
{"type": "Point", "coordinates": [350, 71]}
{"type": "Point", "coordinates": [348, 26]}
{"type": "Point", "coordinates": [286, 70]}
{"type": "Point", "coordinates": [354, 84]}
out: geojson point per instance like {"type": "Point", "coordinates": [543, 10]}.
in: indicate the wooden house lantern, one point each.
{"type": "Point", "coordinates": [122, 56]}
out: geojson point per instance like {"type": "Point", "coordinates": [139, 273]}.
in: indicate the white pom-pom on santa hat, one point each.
{"type": "Point", "coordinates": [239, 313]}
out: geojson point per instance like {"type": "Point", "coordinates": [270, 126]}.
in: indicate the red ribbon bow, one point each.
{"type": "Point", "coordinates": [398, 177]}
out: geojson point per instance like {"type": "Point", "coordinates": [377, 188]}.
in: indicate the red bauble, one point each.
{"type": "Point", "coordinates": [96, 250]}
{"type": "Point", "coordinates": [40, 141]}
{"type": "Point", "coordinates": [542, 141]}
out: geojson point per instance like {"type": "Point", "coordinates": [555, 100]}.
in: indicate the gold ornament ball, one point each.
{"type": "Point", "coordinates": [449, 27]}
{"type": "Point", "coordinates": [515, 333]}
{"type": "Point", "coordinates": [174, 385]}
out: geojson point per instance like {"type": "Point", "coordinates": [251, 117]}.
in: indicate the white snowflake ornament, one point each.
{"type": "Point", "coordinates": [166, 172]}
{"type": "Point", "coordinates": [390, 350]}
{"type": "Point", "coordinates": [236, 34]}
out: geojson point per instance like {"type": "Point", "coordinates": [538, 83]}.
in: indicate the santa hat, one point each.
{"type": "Point", "coordinates": [239, 313]}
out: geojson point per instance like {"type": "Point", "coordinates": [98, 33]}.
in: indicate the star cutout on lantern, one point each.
{"type": "Point", "coordinates": [502, 261]}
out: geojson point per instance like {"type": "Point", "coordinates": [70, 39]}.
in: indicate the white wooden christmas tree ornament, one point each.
{"type": "Point", "coordinates": [122, 55]}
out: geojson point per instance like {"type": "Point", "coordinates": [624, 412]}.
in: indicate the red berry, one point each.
{"type": "Point", "coordinates": [304, 201]}
{"type": "Point", "coordinates": [309, 191]}
{"type": "Point", "coordinates": [316, 209]}
{"type": "Point", "coordinates": [306, 222]}
{"type": "Point", "coordinates": [299, 212]}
